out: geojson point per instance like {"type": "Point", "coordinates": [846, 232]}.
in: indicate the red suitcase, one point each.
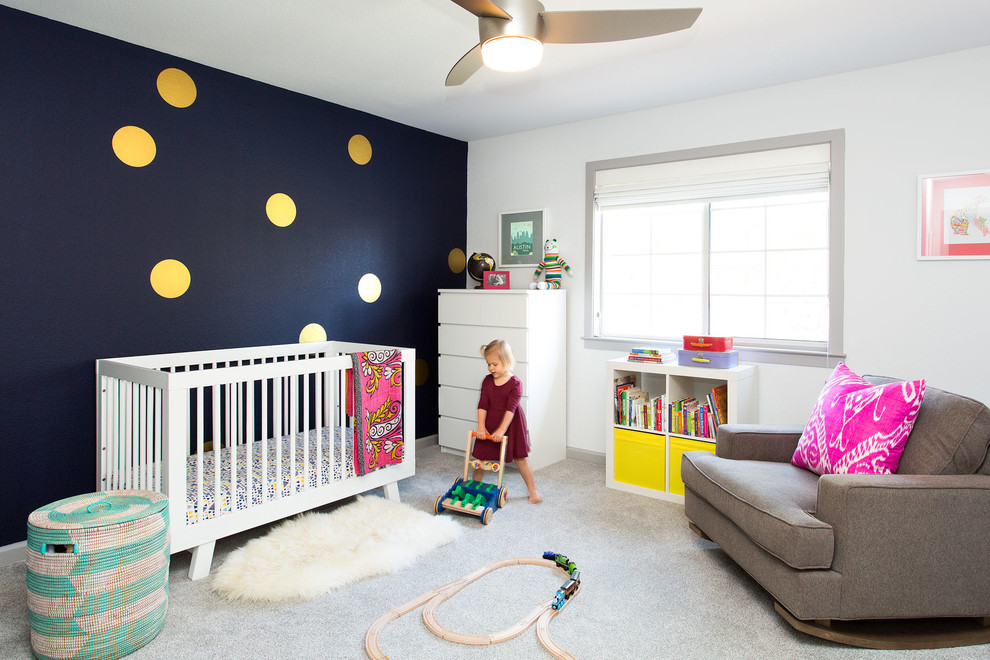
{"type": "Point", "coordinates": [700, 343]}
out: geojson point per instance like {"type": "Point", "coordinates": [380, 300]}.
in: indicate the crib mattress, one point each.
{"type": "Point", "coordinates": [328, 465]}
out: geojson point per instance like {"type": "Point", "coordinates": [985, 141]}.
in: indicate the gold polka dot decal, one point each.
{"type": "Point", "coordinates": [281, 210]}
{"type": "Point", "coordinates": [177, 88]}
{"type": "Point", "coordinates": [369, 287]}
{"type": "Point", "coordinates": [422, 372]}
{"type": "Point", "coordinates": [312, 332]}
{"type": "Point", "coordinates": [456, 260]}
{"type": "Point", "coordinates": [170, 278]}
{"type": "Point", "coordinates": [360, 149]}
{"type": "Point", "coordinates": [134, 146]}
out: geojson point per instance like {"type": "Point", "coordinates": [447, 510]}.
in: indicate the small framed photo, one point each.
{"type": "Point", "coordinates": [520, 237]}
{"type": "Point", "coordinates": [954, 216]}
{"type": "Point", "coordinates": [496, 279]}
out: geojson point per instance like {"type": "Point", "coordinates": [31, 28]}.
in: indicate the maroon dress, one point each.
{"type": "Point", "coordinates": [495, 401]}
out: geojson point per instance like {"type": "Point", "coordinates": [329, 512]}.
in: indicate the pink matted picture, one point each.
{"type": "Point", "coordinates": [954, 216]}
{"type": "Point", "coordinates": [496, 279]}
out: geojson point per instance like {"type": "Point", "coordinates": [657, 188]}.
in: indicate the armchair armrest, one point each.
{"type": "Point", "coordinates": [916, 541]}
{"type": "Point", "coordinates": [757, 442]}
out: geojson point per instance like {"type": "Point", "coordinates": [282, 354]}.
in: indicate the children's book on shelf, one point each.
{"type": "Point", "coordinates": [622, 385]}
{"type": "Point", "coordinates": [720, 395]}
{"type": "Point", "coordinates": [653, 355]}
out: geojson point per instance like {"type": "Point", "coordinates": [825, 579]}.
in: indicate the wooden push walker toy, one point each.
{"type": "Point", "coordinates": [472, 497]}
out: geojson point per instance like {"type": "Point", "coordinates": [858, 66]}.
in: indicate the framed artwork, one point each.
{"type": "Point", "coordinates": [954, 216]}
{"type": "Point", "coordinates": [520, 238]}
{"type": "Point", "coordinates": [496, 279]}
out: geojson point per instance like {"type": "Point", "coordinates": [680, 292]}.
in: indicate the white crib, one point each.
{"type": "Point", "coordinates": [237, 438]}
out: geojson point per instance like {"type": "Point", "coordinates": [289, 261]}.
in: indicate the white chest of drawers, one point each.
{"type": "Point", "coordinates": [533, 322]}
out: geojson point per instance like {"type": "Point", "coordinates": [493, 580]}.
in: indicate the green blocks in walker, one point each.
{"type": "Point", "coordinates": [97, 574]}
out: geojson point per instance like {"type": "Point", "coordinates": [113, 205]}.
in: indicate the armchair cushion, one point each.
{"type": "Point", "coordinates": [857, 427]}
{"type": "Point", "coordinates": [771, 502]}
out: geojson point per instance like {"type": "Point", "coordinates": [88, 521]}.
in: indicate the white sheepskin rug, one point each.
{"type": "Point", "coordinates": [315, 553]}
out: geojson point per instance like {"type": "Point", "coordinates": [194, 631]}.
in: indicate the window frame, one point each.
{"type": "Point", "coordinates": [763, 350]}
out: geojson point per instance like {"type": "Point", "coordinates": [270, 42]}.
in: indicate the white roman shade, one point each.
{"type": "Point", "coordinates": [795, 169]}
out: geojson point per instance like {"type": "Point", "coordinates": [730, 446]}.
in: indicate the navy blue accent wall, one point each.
{"type": "Point", "coordinates": [80, 232]}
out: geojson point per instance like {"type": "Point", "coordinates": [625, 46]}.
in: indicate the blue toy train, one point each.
{"type": "Point", "coordinates": [573, 583]}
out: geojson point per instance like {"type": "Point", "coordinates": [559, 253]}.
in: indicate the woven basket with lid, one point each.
{"type": "Point", "coordinates": [97, 574]}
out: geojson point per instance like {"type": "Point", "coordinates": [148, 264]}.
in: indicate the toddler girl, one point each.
{"type": "Point", "coordinates": [499, 414]}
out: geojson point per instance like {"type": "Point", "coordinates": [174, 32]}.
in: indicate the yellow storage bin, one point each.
{"type": "Point", "coordinates": [640, 458]}
{"type": "Point", "coordinates": [677, 447]}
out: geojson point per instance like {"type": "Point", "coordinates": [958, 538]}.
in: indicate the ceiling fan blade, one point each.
{"type": "Point", "coordinates": [582, 27]}
{"type": "Point", "coordinates": [483, 8]}
{"type": "Point", "coordinates": [465, 67]}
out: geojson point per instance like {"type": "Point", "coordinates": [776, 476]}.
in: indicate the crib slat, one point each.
{"type": "Point", "coordinates": [200, 448]}
{"type": "Point", "coordinates": [109, 435]}
{"type": "Point", "coordinates": [249, 419]}
{"type": "Point", "coordinates": [264, 440]}
{"type": "Point", "coordinates": [118, 439]}
{"type": "Point", "coordinates": [305, 428]}
{"type": "Point", "coordinates": [142, 435]}
{"type": "Point", "coordinates": [133, 430]}
{"type": "Point", "coordinates": [293, 427]}
{"type": "Point", "coordinates": [217, 450]}
{"type": "Point", "coordinates": [277, 406]}
{"type": "Point", "coordinates": [129, 433]}
{"type": "Point", "coordinates": [160, 423]}
{"type": "Point", "coordinates": [318, 425]}
{"type": "Point", "coordinates": [232, 442]}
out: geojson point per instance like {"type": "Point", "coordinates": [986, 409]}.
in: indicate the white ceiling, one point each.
{"type": "Point", "coordinates": [390, 57]}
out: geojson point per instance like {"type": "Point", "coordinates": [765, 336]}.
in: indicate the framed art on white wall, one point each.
{"type": "Point", "coordinates": [520, 237]}
{"type": "Point", "coordinates": [954, 216]}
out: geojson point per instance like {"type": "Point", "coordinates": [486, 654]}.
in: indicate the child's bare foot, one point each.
{"type": "Point", "coordinates": [535, 498]}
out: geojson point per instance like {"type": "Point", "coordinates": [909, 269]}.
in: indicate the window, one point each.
{"type": "Point", "coordinates": [743, 240]}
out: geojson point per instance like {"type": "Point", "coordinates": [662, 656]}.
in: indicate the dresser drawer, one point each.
{"type": "Point", "coordinates": [453, 431]}
{"type": "Point", "coordinates": [463, 403]}
{"type": "Point", "coordinates": [468, 372]}
{"type": "Point", "coordinates": [467, 340]}
{"type": "Point", "coordinates": [458, 402]}
{"type": "Point", "coordinates": [484, 308]}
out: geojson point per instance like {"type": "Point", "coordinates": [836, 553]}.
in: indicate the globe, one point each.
{"type": "Point", "coordinates": [478, 264]}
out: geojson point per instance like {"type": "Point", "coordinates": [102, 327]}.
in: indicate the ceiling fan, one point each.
{"type": "Point", "coordinates": [512, 32]}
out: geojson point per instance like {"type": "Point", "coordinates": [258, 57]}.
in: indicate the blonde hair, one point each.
{"type": "Point", "coordinates": [501, 348]}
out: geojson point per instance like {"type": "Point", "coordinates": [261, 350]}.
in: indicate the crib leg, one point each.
{"type": "Point", "coordinates": [202, 557]}
{"type": "Point", "coordinates": [391, 491]}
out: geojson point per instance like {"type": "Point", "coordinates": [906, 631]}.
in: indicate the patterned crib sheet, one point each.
{"type": "Point", "coordinates": [332, 467]}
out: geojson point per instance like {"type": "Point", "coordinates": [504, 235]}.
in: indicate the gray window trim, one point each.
{"type": "Point", "coordinates": [762, 353]}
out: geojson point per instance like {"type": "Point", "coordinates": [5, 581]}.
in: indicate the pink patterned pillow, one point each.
{"type": "Point", "coordinates": [857, 427]}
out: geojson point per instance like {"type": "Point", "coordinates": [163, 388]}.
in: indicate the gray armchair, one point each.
{"type": "Point", "coordinates": [911, 545]}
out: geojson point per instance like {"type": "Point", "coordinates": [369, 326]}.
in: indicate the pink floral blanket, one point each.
{"type": "Point", "coordinates": [378, 409]}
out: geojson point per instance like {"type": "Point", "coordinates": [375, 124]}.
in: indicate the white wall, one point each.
{"type": "Point", "coordinates": [903, 317]}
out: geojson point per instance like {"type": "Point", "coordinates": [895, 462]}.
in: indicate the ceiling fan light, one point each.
{"type": "Point", "coordinates": [511, 53]}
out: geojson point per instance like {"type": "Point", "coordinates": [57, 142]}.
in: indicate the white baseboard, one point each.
{"type": "Point", "coordinates": [586, 456]}
{"type": "Point", "coordinates": [13, 553]}
{"type": "Point", "coordinates": [427, 441]}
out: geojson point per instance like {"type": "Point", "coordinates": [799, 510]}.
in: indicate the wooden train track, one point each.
{"type": "Point", "coordinates": [541, 615]}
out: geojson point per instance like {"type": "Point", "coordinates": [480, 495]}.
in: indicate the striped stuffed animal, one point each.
{"type": "Point", "coordinates": [550, 267]}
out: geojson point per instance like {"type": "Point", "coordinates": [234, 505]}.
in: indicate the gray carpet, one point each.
{"type": "Point", "coordinates": [650, 589]}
